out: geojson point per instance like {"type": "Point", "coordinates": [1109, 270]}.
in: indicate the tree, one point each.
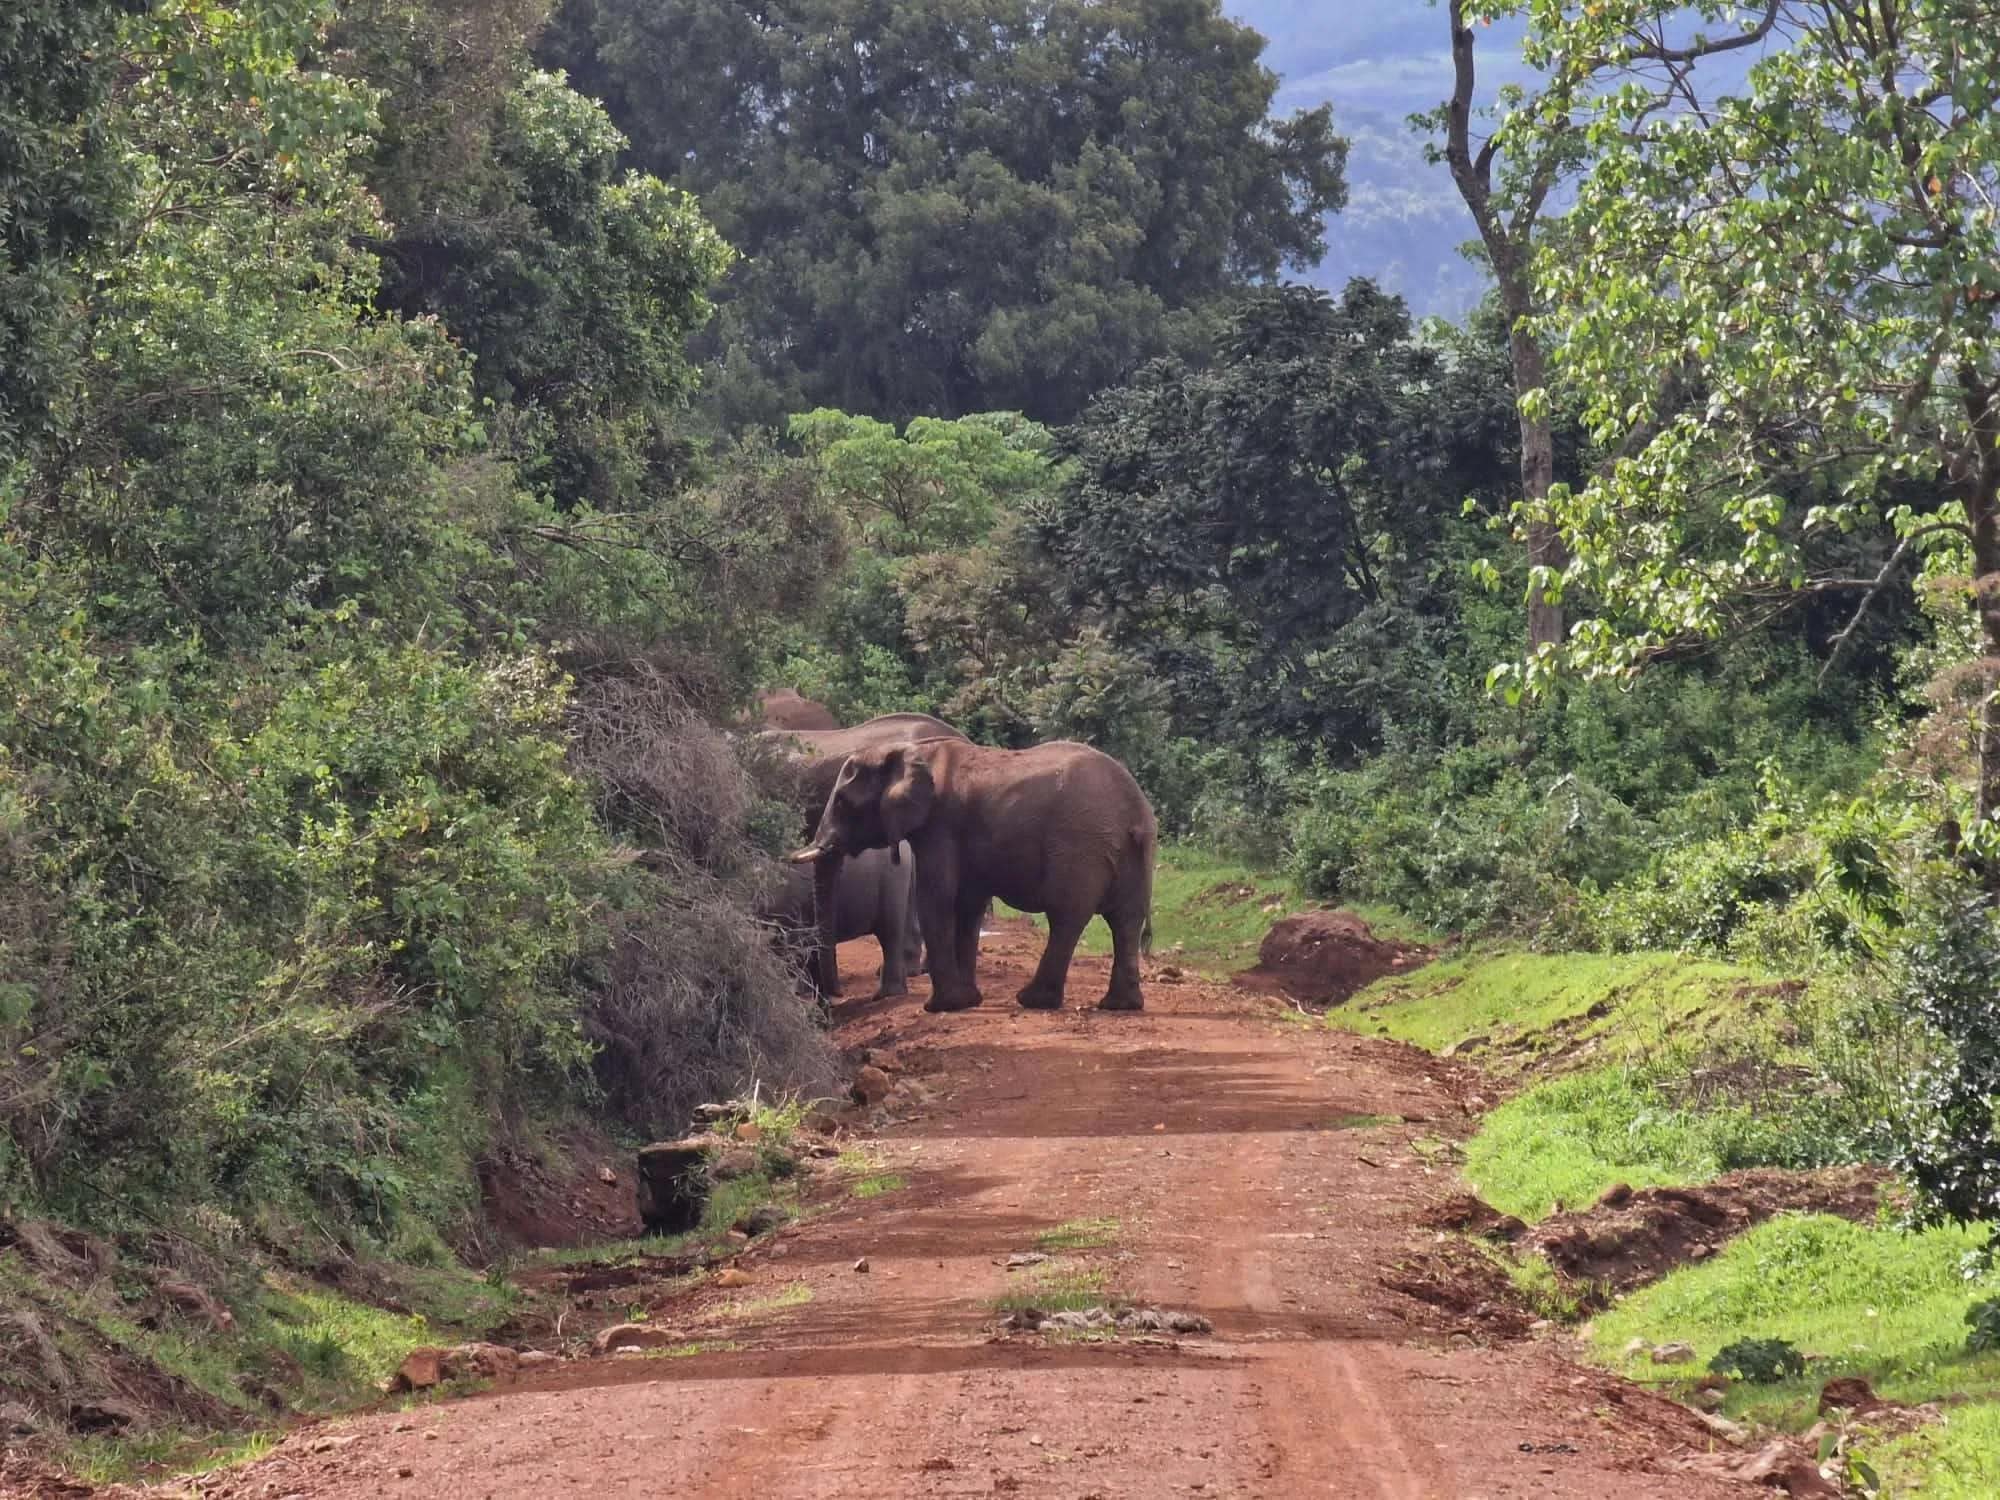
{"type": "Point", "coordinates": [1232, 522]}
{"type": "Point", "coordinates": [573, 282]}
{"type": "Point", "coordinates": [1508, 214]}
{"type": "Point", "coordinates": [61, 180]}
{"type": "Point", "coordinates": [975, 206]}
{"type": "Point", "coordinates": [1777, 297]}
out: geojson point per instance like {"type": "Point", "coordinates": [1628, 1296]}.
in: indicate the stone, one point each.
{"type": "Point", "coordinates": [762, 1219]}
{"type": "Point", "coordinates": [736, 1162]}
{"type": "Point", "coordinates": [1615, 1196]}
{"type": "Point", "coordinates": [636, 1336]}
{"type": "Point", "coordinates": [1673, 1354]}
{"type": "Point", "coordinates": [17, 1420]}
{"type": "Point", "coordinates": [478, 1361]}
{"type": "Point", "coordinates": [538, 1359]}
{"type": "Point", "coordinates": [861, 1265]}
{"type": "Point", "coordinates": [883, 1058]}
{"type": "Point", "coordinates": [750, 1132]}
{"type": "Point", "coordinates": [1723, 1428]}
{"type": "Point", "coordinates": [673, 1184]}
{"type": "Point", "coordinates": [1709, 1399]}
{"type": "Point", "coordinates": [420, 1370]}
{"type": "Point", "coordinates": [871, 1086]}
{"type": "Point", "coordinates": [823, 1122]}
{"type": "Point", "coordinates": [734, 1276]}
{"type": "Point", "coordinates": [608, 1177]}
{"type": "Point", "coordinates": [1025, 1258]}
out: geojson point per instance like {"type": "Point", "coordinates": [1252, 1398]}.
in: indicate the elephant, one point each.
{"type": "Point", "coordinates": [871, 898]}
{"type": "Point", "coordinates": [1060, 829]}
{"type": "Point", "coordinates": [782, 708]}
{"type": "Point", "coordinates": [817, 756]}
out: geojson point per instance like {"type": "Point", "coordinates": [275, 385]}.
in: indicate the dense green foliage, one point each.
{"type": "Point", "coordinates": [944, 209]}
{"type": "Point", "coordinates": [305, 882]}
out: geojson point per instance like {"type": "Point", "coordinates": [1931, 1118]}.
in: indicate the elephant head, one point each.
{"type": "Point", "coordinates": [884, 795]}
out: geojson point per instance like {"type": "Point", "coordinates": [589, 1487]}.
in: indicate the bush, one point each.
{"type": "Point", "coordinates": [1759, 1361]}
{"type": "Point", "coordinates": [1465, 844]}
{"type": "Point", "coordinates": [692, 1000]}
{"type": "Point", "coordinates": [1948, 1129]}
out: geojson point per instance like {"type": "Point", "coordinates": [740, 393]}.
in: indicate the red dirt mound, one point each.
{"type": "Point", "coordinates": [579, 1192]}
{"type": "Point", "coordinates": [1322, 957]}
{"type": "Point", "coordinates": [1630, 1238]}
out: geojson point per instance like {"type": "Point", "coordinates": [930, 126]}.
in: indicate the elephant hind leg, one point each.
{"type": "Point", "coordinates": [1124, 993]}
{"type": "Point", "coordinates": [1045, 990]}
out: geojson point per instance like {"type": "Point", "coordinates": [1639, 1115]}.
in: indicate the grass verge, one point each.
{"type": "Point", "coordinates": [1516, 1010]}
{"type": "Point", "coordinates": [1078, 1234]}
{"type": "Point", "coordinates": [1881, 1303]}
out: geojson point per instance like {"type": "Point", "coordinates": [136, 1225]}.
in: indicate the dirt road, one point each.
{"type": "Point", "coordinates": [1271, 1177]}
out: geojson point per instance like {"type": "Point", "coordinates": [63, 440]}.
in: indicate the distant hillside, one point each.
{"type": "Point", "coordinates": [1404, 224]}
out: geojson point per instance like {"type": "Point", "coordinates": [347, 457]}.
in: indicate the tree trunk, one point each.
{"type": "Point", "coordinates": [1538, 455]}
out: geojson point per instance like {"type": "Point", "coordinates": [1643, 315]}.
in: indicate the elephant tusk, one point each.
{"type": "Point", "coordinates": [811, 854]}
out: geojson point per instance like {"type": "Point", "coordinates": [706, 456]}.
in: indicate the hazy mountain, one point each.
{"type": "Point", "coordinates": [1378, 63]}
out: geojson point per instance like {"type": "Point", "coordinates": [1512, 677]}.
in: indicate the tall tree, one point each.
{"type": "Point", "coordinates": [1779, 297]}
{"type": "Point", "coordinates": [1232, 521]}
{"type": "Point", "coordinates": [61, 179]}
{"type": "Point", "coordinates": [973, 206]}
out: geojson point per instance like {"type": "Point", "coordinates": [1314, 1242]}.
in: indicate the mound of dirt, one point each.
{"type": "Point", "coordinates": [579, 1193]}
{"type": "Point", "coordinates": [1630, 1238]}
{"type": "Point", "coordinates": [1457, 1290]}
{"type": "Point", "coordinates": [1322, 957]}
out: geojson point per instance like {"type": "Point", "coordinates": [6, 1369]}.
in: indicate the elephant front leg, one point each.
{"type": "Point", "coordinates": [1045, 990]}
{"type": "Point", "coordinates": [952, 986]}
{"type": "Point", "coordinates": [825, 955]}
{"type": "Point", "coordinates": [892, 932]}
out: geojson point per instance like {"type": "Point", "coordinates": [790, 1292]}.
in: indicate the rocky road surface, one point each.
{"type": "Point", "coordinates": [1272, 1177]}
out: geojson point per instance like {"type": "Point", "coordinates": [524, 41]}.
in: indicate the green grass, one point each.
{"type": "Point", "coordinates": [875, 1186]}
{"type": "Point", "coordinates": [1876, 1302]}
{"type": "Point", "coordinates": [693, 1348]}
{"type": "Point", "coordinates": [1521, 1007]}
{"type": "Point", "coordinates": [797, 1294]}
{"type": "Point", "coordinates": [1957, 1458]}
{"type": "Point", "coordinates": [1568, 1140]}
{"type": "Point", "coordinates": [1210, 915]}
{"type": "Point", "coordinates": [1078, 1234]}
{"type": "Point", "coordinates": [1058, 1286]}
{"type": "Point", "coordinates": [107, 1461]}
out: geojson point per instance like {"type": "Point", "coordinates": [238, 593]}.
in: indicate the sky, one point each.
{"type": "Point", "coordinates": [1377, 62]}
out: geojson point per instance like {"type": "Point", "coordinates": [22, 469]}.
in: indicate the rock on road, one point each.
{"type": "Point", "coordinates": [1255, 1177]}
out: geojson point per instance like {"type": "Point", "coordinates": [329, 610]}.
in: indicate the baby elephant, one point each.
{"type": "Point", "coordinates": [871, 898]}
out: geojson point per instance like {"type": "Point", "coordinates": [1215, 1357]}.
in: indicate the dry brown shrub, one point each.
{"type": "Point", "coordinates": [695, 1000]}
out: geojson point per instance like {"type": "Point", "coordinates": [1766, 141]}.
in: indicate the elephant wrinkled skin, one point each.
{"type": "Point", "coordinates": [1060, 829]}
{"type": "Point", "coordinates": [871, 898]}
{"type": "Point", "coordinates": [816, 756]}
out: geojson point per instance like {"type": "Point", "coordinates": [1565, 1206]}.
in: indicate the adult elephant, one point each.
{"type": "Point", "coordinates": [816, 756]}
{"type": "Point", "coordinates": [871, 898]}
{"type": "Point", "coordinates": [1061, 829]}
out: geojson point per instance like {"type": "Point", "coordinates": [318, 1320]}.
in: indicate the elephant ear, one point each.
{"type": "Point", "coordinates": [908, 794]}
